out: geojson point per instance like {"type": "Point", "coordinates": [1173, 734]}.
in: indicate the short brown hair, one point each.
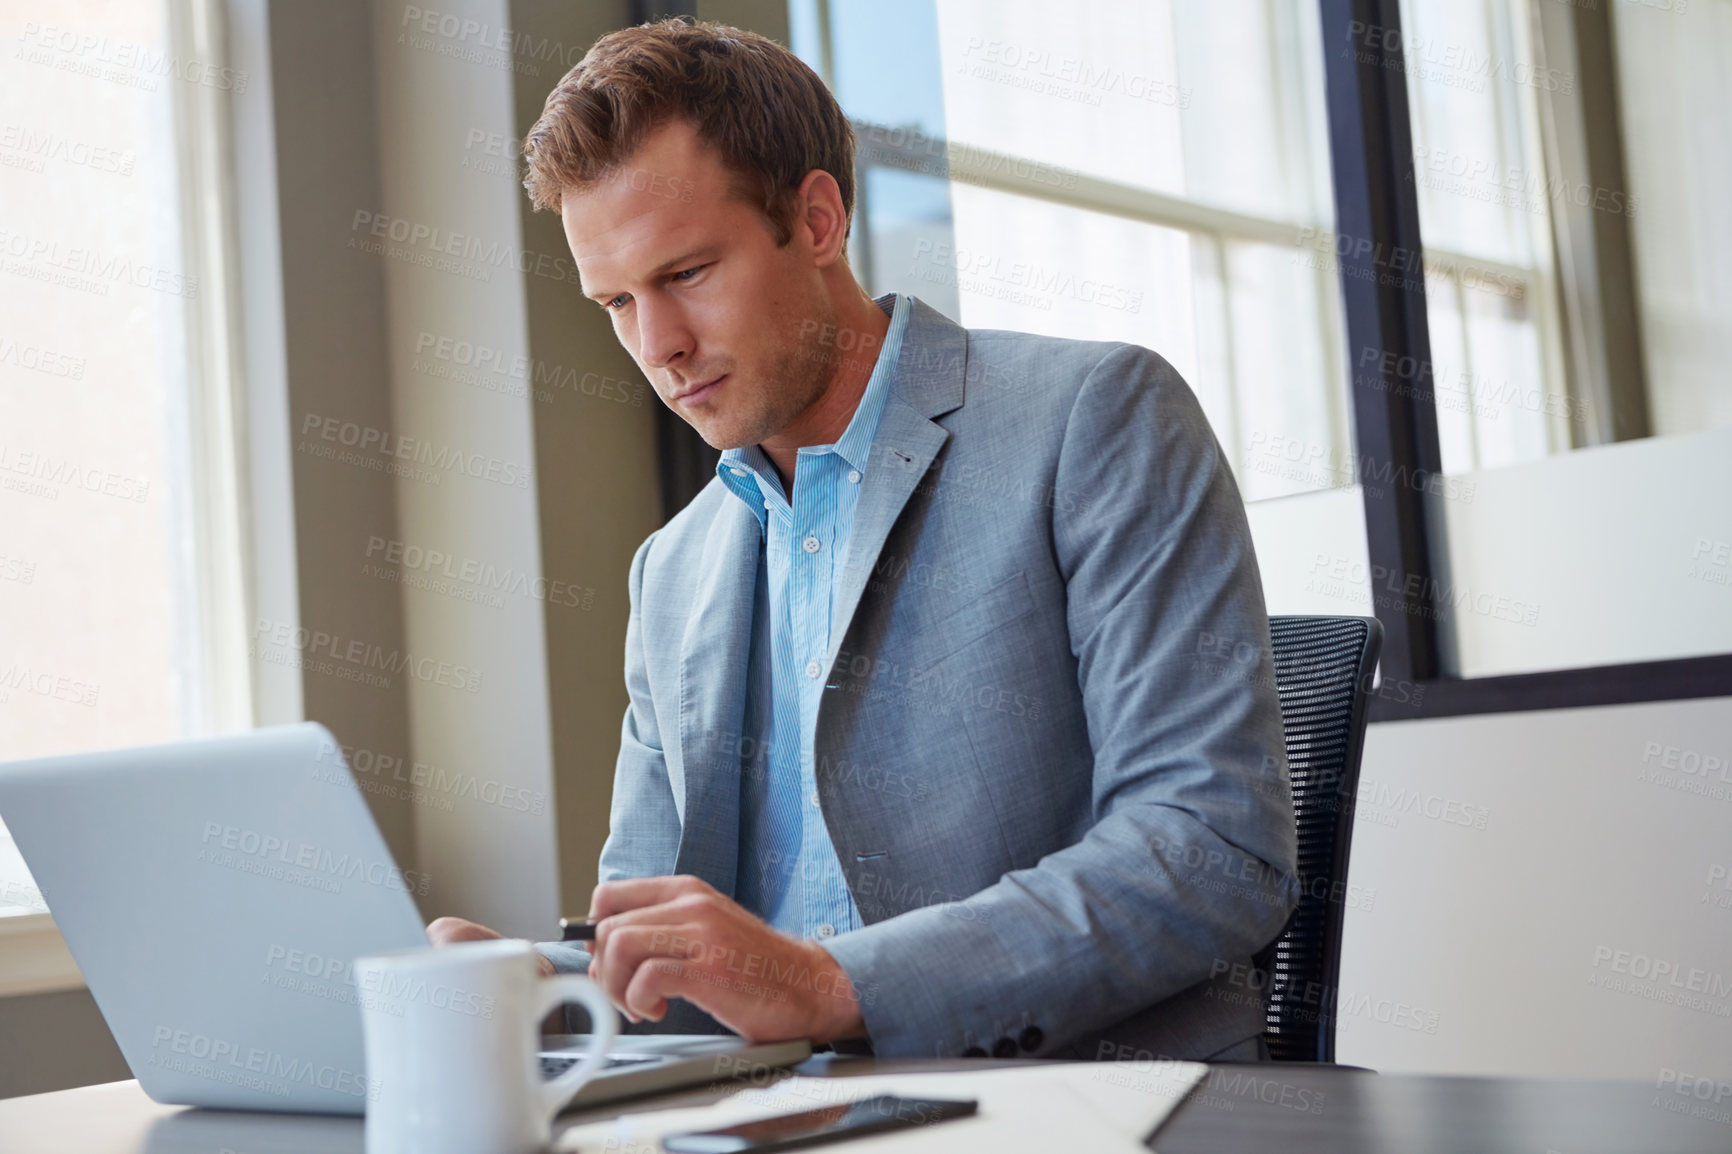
{"type": "Point", "coordinates": [758, 105]}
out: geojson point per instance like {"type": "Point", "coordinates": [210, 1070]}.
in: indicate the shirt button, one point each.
{"type": "Point", "coordinates": [811, 545]}
{"type": "Point", "coordinates": [737, 472]}
{"type": "Point", "coordinates": [854, 476]}
{"type": "Point", "coordinates": [812, 669]}
{"type": "Point", "coordinates": [826, 930]}
{"type": "Point", "coordinates": [815, 800]}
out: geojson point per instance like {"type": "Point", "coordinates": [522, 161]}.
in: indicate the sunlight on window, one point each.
{"type": "Point", "coordinates": [95, 587]}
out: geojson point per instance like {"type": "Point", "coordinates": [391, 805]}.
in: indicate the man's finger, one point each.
{"type": "Point", "coordinates": [629, 947]}
{"type": "Point", "coordinates": [690, 908]}
{"type": "Point", "coordinates": [444, 931]}
{"type": "Point", "coordinates": [616, 897]}
{"type": "Point", "coordinates": [655, 981]}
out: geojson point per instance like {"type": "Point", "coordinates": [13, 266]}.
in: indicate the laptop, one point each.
{"type": "Point", "coordinates": [216, 894]}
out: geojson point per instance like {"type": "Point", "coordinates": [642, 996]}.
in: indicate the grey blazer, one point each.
{"type": "Point", "coordinates": [1049, 748]}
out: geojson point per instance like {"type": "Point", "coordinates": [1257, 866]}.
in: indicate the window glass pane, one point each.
{"type": "Point", "coordinates": [1120, 170]}
{"type": "Point", "coordinates": [911, 219]}
{"type": "Point", "coordinates": [1285, 380]}
{"type": "Point", "coordinates": [1473, 142]}
{"type": "Point", "coordinates": [885, 60]}
{"type": "Point", "coordinates": [1067, 84]}
{"type": "Point", "coordinates": [96, 603]}
{"type": "Point", "coordinates": [1501, 350]}
{"type": "Point", "coordinates": [1571, 163]}
{"type": "Point", "coordinates": [1485, 215]}
{"type": "Point", "coordinates": [1043, 268]}
{"type": "Point", "coordinates": [1573, 149]}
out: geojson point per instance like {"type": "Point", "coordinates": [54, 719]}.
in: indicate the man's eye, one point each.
{"type": "Point", "coordinates": [689, 273]}
{"type": "Point", "coordinates": [617, 302]}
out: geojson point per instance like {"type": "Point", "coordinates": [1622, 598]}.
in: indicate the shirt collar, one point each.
{"type": "Point", "coordinates": [737, 467]}
{"type": "Point", "coordinates": [855, 445]}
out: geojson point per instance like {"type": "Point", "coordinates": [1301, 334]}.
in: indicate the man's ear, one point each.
{"type": "Point", "coordinates": [820, 215]}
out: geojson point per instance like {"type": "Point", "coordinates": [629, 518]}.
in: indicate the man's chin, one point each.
{"type": "Point", "coordinates": [721, 437]}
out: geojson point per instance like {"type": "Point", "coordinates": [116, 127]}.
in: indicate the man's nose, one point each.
{"type": "Point", "coordinates": [663, 337]}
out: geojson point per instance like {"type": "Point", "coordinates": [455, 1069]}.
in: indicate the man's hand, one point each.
{"type": "Point", "coordinates": [668, 937]}
{"type": "Point", "coordinates": [444, 931]}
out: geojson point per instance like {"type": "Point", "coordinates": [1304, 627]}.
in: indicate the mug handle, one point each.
{"type": "Point", "coordinates": [603, 1026]}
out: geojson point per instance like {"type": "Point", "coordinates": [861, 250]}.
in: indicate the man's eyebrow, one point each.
{"type": "Point", "coordinates": [689, 257]}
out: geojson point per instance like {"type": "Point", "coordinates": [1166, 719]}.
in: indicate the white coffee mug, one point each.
{"type": "Point", "coordinates": [452, 1036]}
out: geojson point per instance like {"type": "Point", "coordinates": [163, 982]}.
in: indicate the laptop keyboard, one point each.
{"type": "Point", "coordinates": [553, 1065]}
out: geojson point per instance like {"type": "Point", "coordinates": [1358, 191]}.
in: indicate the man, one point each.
{"type": "Point", "coordinates": [929, 746]}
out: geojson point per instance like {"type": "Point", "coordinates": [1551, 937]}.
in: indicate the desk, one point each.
{"type": "Point", "coordinates": [1292, 1108]}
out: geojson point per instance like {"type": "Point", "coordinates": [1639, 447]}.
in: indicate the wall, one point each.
{"type": "Point", "coordinates": [465, 557]}
{"type": "Point", "coordinates": [1527, 873]}
{"type": "Point", "coordinates": [1601, 556]}
{"type": "Point", "coordinates": [68, 1044]}
{"type": "Point", "coordinates": [337, 376]}
{"type": "Point", "coordinates": [596, 487]}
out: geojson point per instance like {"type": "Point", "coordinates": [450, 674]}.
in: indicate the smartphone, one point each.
{"type": "Point", "coordinates": [826, 1124]}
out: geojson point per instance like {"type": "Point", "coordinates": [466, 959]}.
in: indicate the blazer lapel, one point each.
{"type": "Point", "coordinates": [928, 383]}
{"type": "Point", "coordinates": [713, 674]}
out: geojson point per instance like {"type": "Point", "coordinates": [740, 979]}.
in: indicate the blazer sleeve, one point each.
{"type": "Point", "coordinates": [643, 824]}
{"type": "Point", "coordinates": [1189, 864]}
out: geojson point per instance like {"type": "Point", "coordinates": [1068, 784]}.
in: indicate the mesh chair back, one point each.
{"type": "Point", "coordinates": [1323, 673]}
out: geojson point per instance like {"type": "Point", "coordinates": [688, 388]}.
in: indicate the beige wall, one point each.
{"type": "Point", "coordinates": [444, 235]}
{"type": "Point", "coordinates": [337, 367]}
{"type": "Point", "coordinates": [1522, 877]}
{"type": "Point", "coordinates": [54, 1041]}
{"type": "Point", "coordinates": [596, 488]}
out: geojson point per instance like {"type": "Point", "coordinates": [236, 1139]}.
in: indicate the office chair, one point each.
{"type": "Point", "coordinates": [1323, 674]}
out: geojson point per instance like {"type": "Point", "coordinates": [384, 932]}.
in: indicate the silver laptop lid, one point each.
{"type": "Point", "coordinates": [215, 895]}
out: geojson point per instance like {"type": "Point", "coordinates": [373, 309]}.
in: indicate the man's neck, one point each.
{"type": "Point", "coordinates": [858, 339]}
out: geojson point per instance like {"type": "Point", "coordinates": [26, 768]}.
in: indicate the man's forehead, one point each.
{"type": "Point", "coordinates": [629, 233]}
{"type": "Point", "coordinates": [631, 224]}
{"type": "Point", "coordinates": [671, 161]}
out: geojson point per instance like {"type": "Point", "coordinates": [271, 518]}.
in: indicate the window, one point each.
{"type": "Point", "coordinates": [1562, 152]}
{"type": "Point", "coordinates": [121, 618]}
{"type": "Point", "coordinates": [1485, 213]}
{"type": "Point", "coordinates": [1130, 170]}
{"type": "Point", "coordinates": [1485, 374]}
{"type": "Point", "coordinates": [1568, 161]}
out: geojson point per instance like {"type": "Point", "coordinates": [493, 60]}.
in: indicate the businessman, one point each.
{"type": "Point", "coordinates": [952, 724]}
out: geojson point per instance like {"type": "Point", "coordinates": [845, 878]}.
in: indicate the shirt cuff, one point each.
{"type": "Point", "coordinates": [566, 958]}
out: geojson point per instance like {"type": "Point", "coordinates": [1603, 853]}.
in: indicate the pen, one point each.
{"type": "Point", "coordinates": [575, 930]}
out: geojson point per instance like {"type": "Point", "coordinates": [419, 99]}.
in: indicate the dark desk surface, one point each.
{"type": "Point", "coordinates": [1305, 1109]}
{"type": "Point", "coordinates": [1275, 1108]}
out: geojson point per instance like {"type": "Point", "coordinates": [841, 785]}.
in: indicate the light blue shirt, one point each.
{"type": "Point", "coordinates": [788, 873]}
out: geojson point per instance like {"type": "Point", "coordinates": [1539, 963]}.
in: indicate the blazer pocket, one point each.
{"type": "Point", "coordinates": [997, 607]}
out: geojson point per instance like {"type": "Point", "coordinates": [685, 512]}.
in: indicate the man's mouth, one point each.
{"type": "Point", "coordinates": [698, 394]}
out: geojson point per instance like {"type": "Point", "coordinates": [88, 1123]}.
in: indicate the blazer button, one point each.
{"type": "Point", "coordinates": [974, 1052]}
{"type": "Point", "coordinates": [1030, 1039]}
{"type": "Point", "coordinates": [1004, 1048]}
